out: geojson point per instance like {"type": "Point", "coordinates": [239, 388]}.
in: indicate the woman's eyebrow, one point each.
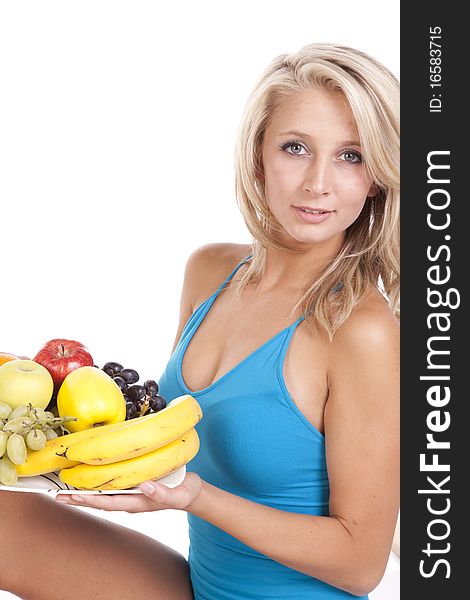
{"type": "Point", "coordinates": [306, 135]}
{"type": "Point", "coordinates": [294, 132]}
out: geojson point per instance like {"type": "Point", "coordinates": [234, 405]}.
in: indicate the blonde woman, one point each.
{"type": "Point", "coordinates": [290, 345]}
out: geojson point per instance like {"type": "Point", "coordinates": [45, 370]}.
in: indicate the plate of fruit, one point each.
{"type": "Point", "coordinates": [68, 424]}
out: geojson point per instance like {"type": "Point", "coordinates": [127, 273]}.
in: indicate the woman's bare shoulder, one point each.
{"type": "Point", "coordinates": [371, 324]}
{"type": "Point", "coordinates": [210, 264]}
{"type": "Point", "coordinates": [364, 367]}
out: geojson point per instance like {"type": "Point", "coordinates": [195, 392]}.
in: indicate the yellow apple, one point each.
{"type": "Point", "coordinates": [25, 382]}
{"type": "Point", "coordinates": [92, 396]}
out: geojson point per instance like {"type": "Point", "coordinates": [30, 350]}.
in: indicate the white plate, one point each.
{"type": "Point", "coordinates": [52, 485]}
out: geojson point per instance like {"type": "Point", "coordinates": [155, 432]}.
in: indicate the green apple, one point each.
{"type": "Point", "coordinates": [92, 396]}
{"type": "Point", "coordinates": [25, 382]}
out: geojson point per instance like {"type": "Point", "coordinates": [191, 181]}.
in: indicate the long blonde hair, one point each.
{"type": "Point", "coordinates": [370, 253]}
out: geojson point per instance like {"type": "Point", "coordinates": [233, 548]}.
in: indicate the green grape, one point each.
{"type": "Point", "coordinates": [16, 449]}
{"type": "Point", "coordinates": [5, 410]}
{"type": "Point", "coordinates": [8, 474]}
{"type": "Point", "coordinates": [50, 415]}
{"type": "Point", "coordinates": [50, 434]}
{"type": "Point", "coordinates": [38, 414]}
{"type": "Point", "coordinates": [36, 439]}
{"type": "Point", "coordinates": [18, 424]}
{"type": "Point", "coordinates": [19, 411]}
{"type": "Point", "coordinates": [3, 442]}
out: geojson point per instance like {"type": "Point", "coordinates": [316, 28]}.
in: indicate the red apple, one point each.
{"type": "Point", "coordinates": [61, 357]}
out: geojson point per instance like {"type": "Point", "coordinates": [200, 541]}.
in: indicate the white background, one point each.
{"type": "Point", "coordinates": [117, 129]}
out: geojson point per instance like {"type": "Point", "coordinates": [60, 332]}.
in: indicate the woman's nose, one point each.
{"type": "Point", "coordinates": [318, 177]}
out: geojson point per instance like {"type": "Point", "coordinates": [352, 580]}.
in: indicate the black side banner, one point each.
{"type": "Point", "coordinates": [435, 436]}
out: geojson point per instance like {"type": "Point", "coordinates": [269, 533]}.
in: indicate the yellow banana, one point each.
{"type": "Point", "coordinates": [137, 436]}
{"type": "Point", "coordinates": [52, 456]}
{"type": "Point", "coordinates": [130, 473]}
{"type": "Point", "coordinates": [39, 462]}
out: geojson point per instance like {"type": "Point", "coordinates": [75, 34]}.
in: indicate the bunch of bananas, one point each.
{"type": "Point", "coordinates": [122, 455]}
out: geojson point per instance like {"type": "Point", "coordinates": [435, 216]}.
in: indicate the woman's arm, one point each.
{"type": "Point", "coordinates": [396, 538]}
{"type": "Point", "coordinates": [348, 549]}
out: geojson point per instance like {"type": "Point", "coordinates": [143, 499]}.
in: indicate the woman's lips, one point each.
{"type": "Point", "coordinates": [313, 215]}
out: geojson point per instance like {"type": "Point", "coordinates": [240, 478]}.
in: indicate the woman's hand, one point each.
{"type": "Point", "coordinates": [156, 496]}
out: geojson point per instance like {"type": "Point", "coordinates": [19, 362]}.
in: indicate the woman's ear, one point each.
{"type": "Point", "coordinates": [373, 191]}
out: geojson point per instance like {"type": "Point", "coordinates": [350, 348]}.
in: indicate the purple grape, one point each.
{"type": "Point", "coordinates": [129, 375]}
{"type": "Point", "coordinates": [112, 368]}
{"type": "Point", "coordinates": [130, 410]}
{"type": "Point", "coordinates": [135, 392]}
{"type": "Point", "coordinates": [121, 383]}
{"type": "Point", "coordinates": [151, 387]}
{"type": "Point", "coordinates": [157, 403]}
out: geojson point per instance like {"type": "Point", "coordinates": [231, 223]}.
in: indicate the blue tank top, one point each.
{"type": "Point", "coordinates": [257, 444]}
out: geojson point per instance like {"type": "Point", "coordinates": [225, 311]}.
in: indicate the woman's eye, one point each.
{"type": "Point", "coordinates": [293, 148]}
{"type": "Point", "coordinates": [351, 156]}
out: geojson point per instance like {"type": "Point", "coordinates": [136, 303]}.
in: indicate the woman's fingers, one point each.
{"type": "Point", "coordinates": [123, 502]}
{"type": "Point", "coordinates": [155, 496]}
{"type": "Point", "coordinates": [179, 497]}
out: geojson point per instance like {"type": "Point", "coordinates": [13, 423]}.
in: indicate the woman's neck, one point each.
{"type": "Point", "coordinates": [295, 270]}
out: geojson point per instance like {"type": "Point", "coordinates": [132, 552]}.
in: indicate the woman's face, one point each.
{"type": "Point", "coordinates": [315, 181]}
